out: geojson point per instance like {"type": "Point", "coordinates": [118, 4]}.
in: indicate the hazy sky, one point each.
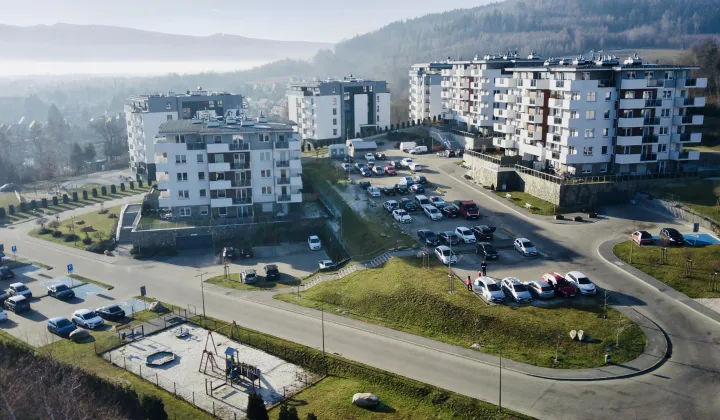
{"type": "Point", "coordinates": [308, 20]}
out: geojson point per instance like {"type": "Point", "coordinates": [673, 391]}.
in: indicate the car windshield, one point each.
{"type": "Point", "coordinates": [583, 280]}
{"type": "Point", "coordinates": [645, 235]}
{"type": "Point", "coordinates": [113, 309]}
{"type": "Point", "coordinates": [63, 323]}
{"type": "Point", "coordinates": [473, 207]}
{"type": "Point", "coordinates": [490, 249]}
{"type": "Point", "coordinates": [314, 240]}
{"type": "Point", "coordinates": [528, 244]}
{"type": "Point", "coordinates": [493, 287]}
{"type": "Point", "coordinates": [561, 281]}
{"type": "Point", "coordinates": [433, 210]}
{"type": "Point", "coordinates": [21, 288]}
{"type": "Point", "coordinates": [446, 252]}
{"type": "Point", "coordinates": [464, 231]}
{"type": "Point", "coordinates": [4, 269]}
{"type": "Point", "coordinates": [546, 288]}
{"type": "Point", "coordinates": [61, 287]}
{"type": "Point", "coordinates": [521, 287]}
{"type": "Point", "coordinates": [90, 315]}
{"type": "Point", "coordinates": [430, 235]}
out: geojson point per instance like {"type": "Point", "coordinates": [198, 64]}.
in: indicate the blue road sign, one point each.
{"type": "Point", "coordinates": [143, 291]}
{"type": "Point", "coordinates": [14, 249]}
{"type": "Point", "coordinates": [70, 268]}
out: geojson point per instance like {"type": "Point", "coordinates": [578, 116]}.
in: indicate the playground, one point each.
{"type": "Point", "coordinates": [209, 370]}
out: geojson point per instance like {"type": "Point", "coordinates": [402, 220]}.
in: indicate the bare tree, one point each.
{"type": "Point", "coordinates": [111, 131]}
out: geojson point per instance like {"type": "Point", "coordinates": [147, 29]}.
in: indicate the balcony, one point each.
{"type": "Point", "coordinates": [687, 137]}
{"type": "Point", "coordinates": [690, 102]}
{"type": "Point", "coordinates": [240, 183]}
{"type": "Point", "coordinates": [219, 167]}
{"type": "Point", "coordinates": [282, 181]}
{"type": "Point", "coordinates": [218, 147]}
{"type": "Point", "coordinates": [282, 145]}
{"type": "Point", "coordinates": [650, 138]}
{"type": "Point", "coordinates": [630, 122]}
{"type": "Point", "coordinates": [220, 185]}
{"type": "Point", "coordinates": [700, 83]}
{"type": "Point", "coordinates": [242, 201]}
{"type": "Point", "coordinates": [282, 163]}
{"type": "Point", "coordinates": [651, 121]}
{"type": "Point", "coordinates": [629, 140]}
{"type": "Point", "coordinates": [296, 181]}
{"type": "Point", "coordinates": [239, 166]}
{"type": "Point", "coordinates": [685, 155]}
{"type": "Point", "coordinates": [653, 103]}
{"type": "Point", "coordinates": [634, 84]}
{"type": "Point", "coordinates": [164, 199]}
{"type": "Point", "coordinates": [505, 82]}
{"type": "Point", "coordinates": [220, 202]}
{"type": "Point", "coordinates": [195, 145]}
{"type": "Point", "coordinates": [505, 143]}
{"type": "Point", "coordinates": [649, 157]}
{"type": "Point", "coordinates": [688, 120]}
{"type": "Point", "coordinates": [289, 198]}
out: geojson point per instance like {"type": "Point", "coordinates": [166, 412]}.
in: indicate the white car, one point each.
{"type": "Point", "coordinates": [406, 180]}
{"type": "Point", "coordinates": [437, 202]}
{"type": "Point", "coordinates": [347, 167]}
{"type": "Point", "coordinates": [19, 289]}
{"type": "Point", "coordinates": [405, 162]}
{"type": "Point", "coordinates": [314, 243]}
{"type": "Point", "coordinates": [432, 212]}
{"type": "Point", "coordinates": [415, 167]}
{"type": "Point", "coordinates": [488, 290]}
{"type": "Point", "coordinates": [373, 191]}
{"type": "Point", "coordinates": [370, 157]}
{"type": "Point", "coordinates": [466, 235]}
{"type": "Point", "coordinates": [516, 290]}
{"type": "Point", "coordinates": [401, 216]}
{"type": "Point", "coordinates": [525, 247]}
{"type": "Point", "coordinates": [581, 282]}
{"type": "Point", "coordinates": [326, 264]}
{"type": "Point", "coordinates": [87, 319]}
{"type": "Point", "coordinates": [391, 205]}
{"type": "Point", "coordinates": [445, 255]}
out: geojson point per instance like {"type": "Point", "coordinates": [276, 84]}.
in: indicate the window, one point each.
{"type": "Point", "coordinates": [182, 176]}
{"type": "Point", "coordinates": [665, 112]}
{"type": "Point", "coordinates": [589, 132]}
{"type": "Point", "coordinates": [662, 148]}
{"type": "Point", "coordinates": [218, 139]}
{"type": "Point", "coordinates": [591, 96]}
{"type": "Point", "coordinates": [334, 99]}
{"type": "Point", "coordinates": [222, 211]}
{"type": "Point", "coordinates": [603, 168]}
{"type": "Point", "coordinates": [587, 151]}
{"type": "Point", "coordinates": [603, 151]}
{"type": "Point", "coordinates": [378, 108]}
{"type": "Point", "coordinates": [334, 131]}
{"type": "Point", "coordinates": [608, 96]}
{"type": "Point", "coordinates": [587, 169]}
{"type": "Point", "coordinates": [168, 105]}
{"type": "Point", "coordinates": [204, 211]}
{"type": "Point", "coordinates": [184, 211]}
{"type": "Point", "coordinates": [264, 137]}
{"type": "Point", "coordinates": [334, 121]}
{"type": "Point", "coordinates": [606, 114]}
{"type": "Point", "coordinates": [203, 193]}
{"type": "Point", "coordinates": [265, 173]}
{"type": "Point", "coordinates": [179, 139]}
{"type": "Point", "coordinates": [180, 159]}
{"type": "Point", "coordinates": [574, 115]}
{"type": "Point", "coordinates": [169, 118]}
{"type": "Point", "coordinates": [573, 132]}
{"type": "Point", "coordinates": [211, 104]}
{"type": "Point", "coordinates": [266, 190]}
{"type": "Point", "coordinates": [575, 96]}
{"type": "Point", "coordinates": [200, 159]}
{"type": "Point", "coordinates": [571, 150]}
{"type": "Point", "coordinates": [334, 110]}
{"type": "Point", "coordinates": [219, 104]}
{"type": "Point", "coordinates": [667, 94]}
{"type": "Point", "coordinates": [605, 132]}
{"type": "Point", "coordinates": [663, 131]}
{"type": "Point", "coordinates": [589, 115]}
{"type": "Point", "coordinates": [264, 156]}
{"type": "Point", "coordinates": [183, 194]}
{"type": "Point", "coordinates": [201, 176]}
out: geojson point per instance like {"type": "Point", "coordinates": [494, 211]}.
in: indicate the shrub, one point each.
{"type": "Point", "coordinates": [2, 212]}
{"type": "Point", "coordinates": [113, 189]}
{"type": "Point", "coordinates": [103, 190]}
{"type": "Point", "coordinates": [94, 193]}
{"type": "Point", "coordinates": [86, 240]}
{"type": "Point", "coordinates": [66, 199]}
{"type": "Point", "coordinates": [122, 186]}
{"type": "Point", "coordinates": [85, 195]}
{"type": "Point", "coordinates": [70, 237]}
{"type": "Point", "coordinates": [140, 183]}
{"type": "Point", "coordinates": [112, 216]}
{"type": "Point", "coordinates": [57, 234]}
{"type": "Point", "coordinates": [44, 231]}
{"type": "Point", "coordinates": [101, 246]}
{"type": "Point", "coordinates": [55, 201]}
{"type": "Point", "coordinates": [44, 203]}
{"type": "Point", "coordinates": [33, 204]}
{"type": "Point", "coordinates": [11, 209]}
{"type": "Point", "coordinates": [134, 250]}
{"type": "Point", "coordinates": [132, 185]}
{"type": "Point", "coordinates": [53, 224]}
{"type": "Point", "coordinates": [23, 207]}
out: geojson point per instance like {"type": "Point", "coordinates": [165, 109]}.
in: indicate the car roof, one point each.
{"type": "Point", "coordinates": [55, 319]}
{"type": "Point", "coordinates": [553, 274]}
{"type": "Point", "coordinates": [392, 201]}
{"type": "Point", "coordinates": [484, 243]}
{"type": "Point", "coordinates": [486, 279]}
{"type": "Point", "coordinates": [271, 266]}
{"type": "Point", "coordinates": [540, 282]}
{"type": "Point", "coordinates": [17, 298]}
{"type": "Point", "coordinates": [576, 274]}
{"type": "Point", "coordinates": [512, 280]}
{"type": "Point", "coordinates": [326, 261]}
{"type": "Point", "coordinates": [82, 312]}
{"type": "Point", "coordinates": [443, 247]}
{"type": "Point", "coordinates": [250, 271]}
{"type": "Point", "coordinates": [17, 284]}
{"type": "Point", "coordinates": [462, 227]}
{"type": "Point", "coordinates": [313, 237]}
{"type": "Point", "coordinates": [522, 239]}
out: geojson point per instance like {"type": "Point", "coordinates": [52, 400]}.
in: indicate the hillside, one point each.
{"type": "Point", "coordinates": [96, 42]}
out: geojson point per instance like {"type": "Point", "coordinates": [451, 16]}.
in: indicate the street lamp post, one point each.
{"type": "Point", "coordinates": [322, 326]}
{"type": "Point", "coordinates": [202, 291]}
{"type": "Point", "coordinates": [500, 385]}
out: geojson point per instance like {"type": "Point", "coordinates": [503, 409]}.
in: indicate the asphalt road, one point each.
{"type": "Point", "coordinates": [685, 386]}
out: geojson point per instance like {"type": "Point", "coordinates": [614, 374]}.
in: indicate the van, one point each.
{"type": "Point", "coordinates": [417, 150]}
{"type": "Point", "coordinates": [17, 304]}
{"type": "Point", "coordinates": [407, 146]}
{"type": "Point", "coordinates": [422, 200]}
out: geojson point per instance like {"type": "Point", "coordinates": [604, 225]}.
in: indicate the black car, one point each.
{"type": "Point", "coordinates": [402, 189]}
{"type": "Point", "coordinates": [450, 210]}
{"type": "Point", "coordinates": [449, 238]}
{"type": "Point", "coordinates": [486, 250]}
{"type": "Point", "coordinates": [6, 273]}
{"type": "Point", "coordinates": [4, 295]}
{"type": "Point", "coordinates": [417, 188]}
{"type": "Point", "coordinates": [364, 184]}
{"type": "Point", "coordinates": [670, 236]}
{"type": "Point", "coordinates": [60, 291]}
{"type": "Point", "coordinates": [111, 313]}
{"type": "Point", "coordinates": [446, 153]}
{"type": "Point", "coordinates": [228, 253]}
{"type": "Point", "coordinates": [272, 272]}
{"type": "Point", "coordinates": [428, 237]}
{"type": "Point", "coordinates": [408, 205]}
{"type": "Point", "coordinates": [484, 232]}
{"type": "Point", "coordinates": [380, 156]}
{"type": "Point", "coordinates": [420, 179]}
{"type": "Point", "coordinates": [246, 253]}
{"type": "Point", "coordinates": [366, 172]}
{"type": "Point", "coordinates": [387, 190]}
{"type": "Point", "coordinates": [348, 159]}
{"type": "Point", "coordinates": [395, 164]}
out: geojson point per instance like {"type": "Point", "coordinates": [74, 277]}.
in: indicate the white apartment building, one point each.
{"type": "Point", "coordinates": [425, 90]}
{"type": "Point", "coordinates": [468, 88]}
{"type": "Point", "coordinates": [234, 168]}
{"type": "Point", "coordinates": [145, 113]}
{"type": "Point", "coordinates": [593, 117]}
{"type": "Point", "coordinates": [333, 111]}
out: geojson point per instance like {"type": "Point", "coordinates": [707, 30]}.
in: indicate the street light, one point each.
{"type": "Point", "coordinates": [322, 326]}
{"type": "Point", "coordinates": [202, 291]}
{"type": "Point", "coordinates": [500, 384]}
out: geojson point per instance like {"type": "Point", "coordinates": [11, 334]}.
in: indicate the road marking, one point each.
{"type": "Point", "coordinates": [618, 263]}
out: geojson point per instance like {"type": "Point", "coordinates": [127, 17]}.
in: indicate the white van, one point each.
{"type": "Point", "coordinates": [407, 146]}
{"type": "Point", "coordinates": [418, 150]}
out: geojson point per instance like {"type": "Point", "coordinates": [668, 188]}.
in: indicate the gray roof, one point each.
{"type": "Point", "coordinates": [187, 127]}
{"type": "Point", "coordinates": [363, 144]}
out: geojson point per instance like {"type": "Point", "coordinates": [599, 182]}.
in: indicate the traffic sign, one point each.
{"type": "Point", "coordinates": [70, 268]}
{"type": "Point", "coordinates": [14, 249]}
{"type": "Point", "coordinates": [143, 292]}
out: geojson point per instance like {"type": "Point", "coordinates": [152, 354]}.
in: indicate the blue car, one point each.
{"type": "Point", "coordinates": [60, 326]}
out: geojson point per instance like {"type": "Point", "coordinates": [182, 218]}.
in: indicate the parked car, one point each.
{"type": "Point", "coordinates": [378, 170]}
{"type": "Point", "coordinates": [370, 157]}
{"type": "Point", "coordinates": [380, 156]}
{"type": "Point", "coordinates": [6, 273]}
{"type": "Point", "coordinates": [359, 166]}
{"type": "Point", "coordinates": [60, 291]}
{"type": "Point", "coordinates": [4, 295]}
{"type": "Point", "coordinates": [428, 237]}
{"type": "Point", "coordinates": [562, 287]}
{"type": "Point", "coordinates": [418, 150]}
{"type": "Point", "coordinates": [19, 289]}
{"type": "Point", "coordinates": [401, 216]}
{"type": "Point", "coordinates": [388, 190]}
{"type": "Point", "coordinates": [246, 253]}
{"type": "Point", "coordinates": [642, 237]}
{"type": "Point", "coordinates": [420, 179]}
{"type": "Point", "coordinates": [406, 180]}
{"type": "Point", "coordinates": [17, 304]}
{"type": "Point", "coordinates": [389, 170]}
{"type": "Point", "coordinates": [370, 165]}
{"type": "Point", "coordinates": [391, 205]}
{"type": "Point", "coordinates": [488, 290]}
{"type": "Point", "coordinates": [395, 164]}
{"type": "Point", "coordinates": [60, 326]}
{"type": "Point", "coordinates": [417, 188]}
{"type": "Point", "coordinates": [449, 210]}
{"type": "Point", "coordinates": [671, 237]}
{"type": "Point", "coordinates": [449, 238]}
{"type": "Point", "coordinates": [402, 189]}
{"type": "Point", "coordinates": [484, 232]}
{"type": "Point", "coordinates": [581, 282]}
{"type": "Point", "coordinates": [421, 200]}
{"type": "Point", "coordinates": [87, 319]}
{"type": "Point", "coordinates": [347, 167]}
{"type": "Point", "coordinates": [364, 184]}
{"type": "Point", "coordinates": [516, 290]}
{"type": "Point", "coordinates": [437, 202]}
{"type": "Point", "coordinates": [326, 265]}
{"type": "Point", "coordinates": [431, 212]}
{"type": "Point", "coordinates": [314, 243]}
{"type": "Point", "coordinates": [373, 191]}
{"type": "Point", "coordinates": [111, 313]}
{"type": "Point", "coordinates": [249, 276]}
{"type": "Point", "coordinates": [486, 250]}
{"type": "Point", "coordinates": [465, 235]}
{"type": "Point", "coordinates": [365, 172]}
{"type": "Point", "coordinates": [525, 247]}
{"type": "Point", "coordinates": [446, 153]}
{"type": "Point", "coordinates": [408, 205]}
{"type": "Point", "coordinates": [415, 167]}
{"type": "Point", "coordinates": [348, 159]}
{"type": "Point", "coordinates": [540, 289]}
{"type": "Point", "coordinates": [445, 255]}
{"type": "Point", "coordinates": [405, 162]}
{"type": "Point", "coordinates": [3, 315]}
{"type": "Point", "coordinates": [468, 209]}
{"type": "Point", "coordinates": [272, 273]}
{"type": "Point", "coordinates": [228, 253]}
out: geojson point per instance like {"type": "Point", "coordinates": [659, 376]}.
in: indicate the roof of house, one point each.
{"type": "Point", "coordinates": [188, 127]}
{"type": "Point", "coordinates": [363, 144]}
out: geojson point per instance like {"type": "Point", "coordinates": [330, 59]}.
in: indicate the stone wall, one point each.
{"type": "Point", "coordinates": [540, 188]}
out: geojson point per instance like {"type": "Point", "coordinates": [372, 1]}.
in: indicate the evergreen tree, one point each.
{"type": "Point", "coordinates": [77, 158]}
{"type": "Point", "coordinates": [89, 152]}
{"type": "Point", "coordinates": [311, 416]}
{"type": "Point", "coordinates": [256, 407]}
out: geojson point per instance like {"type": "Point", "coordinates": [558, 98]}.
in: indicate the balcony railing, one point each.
{"type": "Point", "coordinates": [648, 157]}
{"type": "Point", "coordinates": [650, 138]}
{"type": "Point", "coordinates": [195, 146]}
{"type": "Point", "coordinates": [241, 183]}
{"type": "Point", "coordinates": [651, 121]}
{"type": "Point", "coordinates": [283, 197]}
{"type": "Point", "coordinates": [240, 201]}
{"type": "Point", "coordinates": [239, 165]}
{"type": "Point", "coordinates": [239, 146]}
{"type": "Point", "coordinates": [653, 102]}
{"type": "Point", "coordinates": [282, 144]}
{"type": "Point", "coordinates": [282, 163]}
{"type": "Point", "coordinates": [282, 181]}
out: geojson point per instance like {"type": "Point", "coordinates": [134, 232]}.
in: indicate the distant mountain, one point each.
{"type": "Point", "coordinates": [94, 42]}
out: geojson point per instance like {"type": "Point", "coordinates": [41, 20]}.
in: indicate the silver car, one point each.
{"type": "Point", "coordinates": [488, 290]}
{"type": "Point", "coordinates": [540, 289]}
{"type": "Point", "coordinates": [516, 290]}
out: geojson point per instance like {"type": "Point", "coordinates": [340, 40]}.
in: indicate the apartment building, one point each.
{"type": "Point", "coordinates": [425, 90]}
{"type": "Point", "coordinates": [333, 111]}
{"type": "Point", "coordinates": [231, 167]}
{"type": "Point", "coordinates": [145, 113]}
{"type": "Point", "coordinates": [598, 116]}
{"type": "Point", "coordinates": [468, 88]}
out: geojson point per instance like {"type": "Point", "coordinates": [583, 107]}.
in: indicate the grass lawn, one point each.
{"type": "Point", "coordinates": [702, 197]}
{"type": "Point", "coordinates": [697, 285]}
{"type": "Point", "coordinates": [320, 151]}
{"type": "Point", "coordinates": [402, 295]}
{"type": "Point", "coordinates": [234, 283]}
{"type": "Point", "coordinates": [539, 206]}
{"type": "Point", "coordinates": [95, 282]}
{"type": "Point", "coordinates": [101, 223]}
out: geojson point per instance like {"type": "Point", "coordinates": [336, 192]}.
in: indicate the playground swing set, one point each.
{"type": "Point", "coordinates": [234, 370]}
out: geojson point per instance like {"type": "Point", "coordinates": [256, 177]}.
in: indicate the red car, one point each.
{"type": "Point", "coordinates": [562, 287]}
{"type": "Point", "coordinates": [389, 170]}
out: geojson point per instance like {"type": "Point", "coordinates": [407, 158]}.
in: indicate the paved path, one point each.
{"type": "Point", "coordinates": [685, 386]}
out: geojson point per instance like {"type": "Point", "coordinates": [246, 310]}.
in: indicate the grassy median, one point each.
{"type": "Point", "coordinates": [404, 296]}
{"type": "Point", "coordinates": [697, 283]}
{"type": "Point", "coordinates": [702, 197]}
{"type": "Point", "coordinates": [96, 227]}
{"type": "Point", "coordinates": [234, 282]}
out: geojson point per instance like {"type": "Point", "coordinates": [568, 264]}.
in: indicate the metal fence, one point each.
{"type": "Point", "coordinates": [570, 180]}
{"type": "Point", "coordinates": [127, 334]}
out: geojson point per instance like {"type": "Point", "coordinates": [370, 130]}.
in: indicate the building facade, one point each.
{"type": "Point", "coordinates": [144, 115]}
{"type": "Point", "coordinates": [231, 168]}
{"type": "Point", "coordinates": [425, 90]}
{"type": "Point", "coordinates": [593, 117]}
{"type": "Point", "coordinates": [332, 111]}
